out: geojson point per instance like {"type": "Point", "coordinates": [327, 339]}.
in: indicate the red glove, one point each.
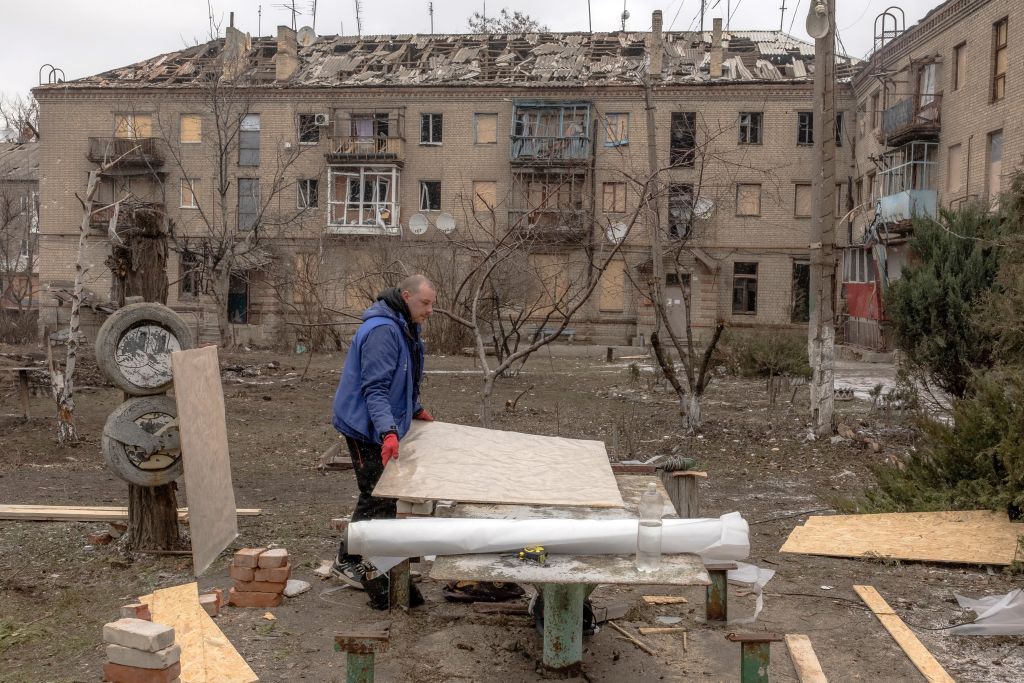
{"type": "Point", "coordinates": [422, 414]}
{"type": "Point", "coordinates": [389, 449]}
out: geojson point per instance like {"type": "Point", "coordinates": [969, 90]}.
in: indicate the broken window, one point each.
{"type": "Point", "coordinates": [308, 193]}
{"type": "Point", "coordinates": [805, 128]}
{"type": "Point", "coordinates": [959, 65]}
{"type": "Point", "coordinates": [744, 288]}
{"type": "Point", "coordinates": [683, 143]}
{"type": "Point", "coordinates": [430, 195]}
{"type": "Point", "coordinates": [802, 200]}
{"type": "Point", "coordinates": [238, 299]}
{"type": "Point", "coordinates": [431, 129]}
{"type": "Point", "coordinates": [612, 296]}
{"type": "Point", "coordinates": [748, 199]}
{"type": "Point", "coordinates": [188, 193]}
{"type": "Point", "coordinates": [309, 131]}
{"type": "Point", "coordinates": [801, 303]}
{"type": "Point", "coordinates": [613, 198]}
{"type": "Point", "coordinates": [363, 196]}
{"type": "Point", "coordinates": [750, 127]}
{"type": "Point", "coordinates": [551, 132]}
{"type": "Point", "coordinates": [616, 130]}
{"type": "Point", "coordinates": [1000, 56]}
{"type": "Point", "coordinates": [680, 209]}
{"type": "Point", "coordinates": [190, 128]}
{"type": "Point", "coordinates": [249, 141]}
{"type": "Point", "coordinates": [858, 266]}
{"type": "Point", "coordinates": [369, 134]}
{"type": "Point", "coordinates": [954, 169]}
{"type": "Point", "coordinates": [133, 125]}
{"type": "Point", "coordinates": [839, 129]}
{"type": "Point", "coordinates": [248, 203]}
{"type": "Point", "coordinates": [190, 273]}
{"type": "Point", "coordinates": [485, 195]}
{"type": "Point", "coordinates": [485, 129]}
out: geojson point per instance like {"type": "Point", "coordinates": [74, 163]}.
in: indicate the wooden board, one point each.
{"type": "Point", "coordinates": [207, 656]}
{"type": "Point", "coordinates": [442, 461]}
{"type": "Point", "coordinates": [972, 537]}
{"type": "Point", "coordinates": [664, 599]}
{"type": "Point", "coordinates": [204, 452]}
{"type": "Point", "coordinates": [681, 569]}
{"type": "Point", "coordinates": [905, 638]}
{"type": "Point", "coordinates": [808, 670]}
{"type": "Point", "coordinates": [74, 513]}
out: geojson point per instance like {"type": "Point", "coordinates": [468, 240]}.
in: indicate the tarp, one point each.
{"type": "Point", "coordinates": [998, 615]}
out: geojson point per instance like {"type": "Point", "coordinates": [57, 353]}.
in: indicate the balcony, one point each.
{"type": "Point", "coordinates": [132, 215]}
{"type": "Point", "coordinates": [129, 153]}
{"type": "Point", "coordinates": [552, 226]}
{"type": "Point", "coordinates": [912, 118]}
{"type": "Point", "coordinates": [551, 133]}
{"type": "Point", "coordinates": [904, 206]}
{"type": "Point", "coordinates": [351, 149]}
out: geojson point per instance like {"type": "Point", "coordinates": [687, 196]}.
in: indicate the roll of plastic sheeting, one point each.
{"type": "Point", "coordinates": [725, 538]}
{"type": "Point", "coordinates": [998, 615]}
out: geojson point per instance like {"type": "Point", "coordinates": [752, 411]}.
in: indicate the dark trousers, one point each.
{"type": "Point", "coordinates": [368, 467]}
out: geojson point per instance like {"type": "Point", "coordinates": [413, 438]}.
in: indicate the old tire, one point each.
{"type": "Point", "coordinates": [134, 345]}
{"type": "Point", "coordinates": [131, 464]}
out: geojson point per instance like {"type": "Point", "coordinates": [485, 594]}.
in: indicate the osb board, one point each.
{"type": "Point", "coordinates": [442, 461]}
{"type": "Point", "coordinates": [970, 537]}
{"type": "Point", "coordinates": [904, 637]}
{"type": "Point", "coordinates": [204, 451]}
{"type": "Point", "coordinates": [682, 569]}
{"type": "Point", "coordinates": [207, 656]}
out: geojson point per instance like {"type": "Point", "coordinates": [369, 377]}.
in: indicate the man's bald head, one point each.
{"type": "Point", "coordinates": [419, 295]}
{"type": "Point", "coordinates": [413, 283]}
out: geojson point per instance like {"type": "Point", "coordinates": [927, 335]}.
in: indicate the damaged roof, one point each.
{"type": "Point", "coordinates": [19, 161]}
{"type": "Point", "coordinates": [530, 59]}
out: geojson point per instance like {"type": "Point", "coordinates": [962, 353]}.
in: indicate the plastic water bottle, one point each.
{"type": "Point", "coordinates": [648, 535]}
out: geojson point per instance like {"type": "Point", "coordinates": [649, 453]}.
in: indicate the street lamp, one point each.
{"type": "Point", "coordinates": [817, 19]}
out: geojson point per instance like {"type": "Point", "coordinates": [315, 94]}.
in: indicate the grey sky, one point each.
{"type": "Point", "coordinates": [87, 37]}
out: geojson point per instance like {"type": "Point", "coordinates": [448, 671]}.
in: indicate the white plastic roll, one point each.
{"type": "Point", "coordinates": [725, 538]}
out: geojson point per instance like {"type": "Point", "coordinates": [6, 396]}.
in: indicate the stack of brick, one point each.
{"type": "Point", "coordinates": [260, 577]}
{"type": "Point", "coordinates": [139, 651]}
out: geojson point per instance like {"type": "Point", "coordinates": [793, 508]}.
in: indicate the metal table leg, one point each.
{"type": "Point", "coordinates": [563, 625]}
{"type": "Point", "coordinates": [755, 655]}
{"type": "Point", "coordinates": [360, 646]}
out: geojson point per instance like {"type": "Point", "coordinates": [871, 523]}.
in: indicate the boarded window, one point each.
{"type": "Point", "coordinates": [614, 198]}
{"type": "Point", "coordinates": [613, 287]}
{"type": "Point", "coordinates": [249, 141]}
{"type": "Point", "coordinates": [801, 303]}
{"type": "Point", "coordinates": [486, 127]}
{"type": "Point", "coordinates": [248, 203]}
{"type": "Point", "coordinates": [485, 195]}
{"type": "Point", "coordinates": [1000, 57]}
{"type": "Point", "coordinates": [954, 169]}
{"type": "Point", "coordinates": [308, 193]}
{"type": "Point", "coordinates": [616, 130]}
{"type": "Point", "coordinates": [750, 127]}
{"type": "Point", "coordinates": [683, 142]}
{"type": "Point", "coordinates": [309, 132]}
{"type": "Point", "coordinates": [188, 196]}
{"type": "Point", "coordinates": [430, 195]}
{"type": "Point", "coordinates": [805, 128]}
{"type": "Point", "coordinates": [744, 288]}
{"type": "Point", "coordinates": [431, 129]}
{"type": "Point", "coordinates": [959, 65]}
{"type": "Point", "coordinates": [133, 126]}
{"type": "Point", "coordinates": [190, 128]}
{"type": "Point", "coordinates": [994, 169]}
{"type": "Point", "coordinates": [748, 199]}
{"type": "Point", "coordinates": [802, 201]}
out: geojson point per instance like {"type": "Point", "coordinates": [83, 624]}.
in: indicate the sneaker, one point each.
{"type": "Point", "coordinates": [351, 572]}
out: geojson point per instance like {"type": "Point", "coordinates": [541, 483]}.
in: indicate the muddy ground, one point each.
{"type": "Point", "coordinates": [56, 591]}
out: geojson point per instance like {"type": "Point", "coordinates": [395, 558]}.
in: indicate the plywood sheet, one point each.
{"type": "Point", "coordinates": [204, 451]}
{"type": "Point", "coordinates": [78, 513]}
{"type": "Point", "coordinates": [676, 570]}
{"type": "Point", "coordinates": [969, 537]}
{"type": "Point", "coordinates": [207, 656]}
{"type": "Point", "coordinates": [442, 461]}
{"type": "Point", "coordinates": [912, 646]}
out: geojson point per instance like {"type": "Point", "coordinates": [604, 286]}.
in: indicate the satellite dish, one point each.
{"type": "Point", "coordinates": [307, 36]}
{"type": "Point", "coordinates": [445, 223]}
{"type": "Point", "coordinates": [703, 207]}
{"type": "Point", "coordinates": [616, 233]}
{"type": "Point", "coordinates": [418, 224]}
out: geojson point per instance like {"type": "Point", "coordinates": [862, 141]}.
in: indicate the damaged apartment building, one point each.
{"type": "Point", "coordinates": [354, 152]}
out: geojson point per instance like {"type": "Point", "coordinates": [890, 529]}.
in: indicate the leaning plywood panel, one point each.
{"type": "Point", "coordinates": [441, 461]}
{"type": "Point", "coordinates": [973, 537]}
{"type": "Point", "coordinates": [204, 449]}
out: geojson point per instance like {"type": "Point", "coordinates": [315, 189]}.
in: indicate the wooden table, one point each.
{"type": "Point", "coordinates": [23, 382]}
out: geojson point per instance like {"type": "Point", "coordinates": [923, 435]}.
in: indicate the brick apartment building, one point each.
{"type": "Point", "coordinates": [939, 116]}
{"type": "Point", "coordinates": [19, 202]}
{"type": "Point", "coordinates": [352, 150]}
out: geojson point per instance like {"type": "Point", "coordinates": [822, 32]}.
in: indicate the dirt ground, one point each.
{"type": "Point", "coordinates": [56, 592]}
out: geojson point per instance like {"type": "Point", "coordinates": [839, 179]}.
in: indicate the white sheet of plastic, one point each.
{"type": "Point", "coordinates": [755, 578]}
{"type": "Point", "coordinates": [998, 615]}
{"type": "Point", "coordinates": [724, 538]}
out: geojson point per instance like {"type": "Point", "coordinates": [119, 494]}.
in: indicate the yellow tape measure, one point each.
{"type": "Point", "coordinates": [534, 553]}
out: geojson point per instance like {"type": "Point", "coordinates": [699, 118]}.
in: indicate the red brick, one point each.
{"type": "Point", "coordinates": [253, 599]}
{"type": "Point", "coordinates": [100, 538]}
{"type": "Point", "coordinates": [271, 559]}
{"type": "Point", "coordinates": [276, 574]}
{"type": "Point", "coordinates": [260, 586]}
{"type": "Point", "coordinates": [119, 673]}
{"type": "Point", "coordinates": [248, 557]}
{"type": "Point", "coordinates": [137, 610]}
{"type": "Point", "coordinates": [242, 573]}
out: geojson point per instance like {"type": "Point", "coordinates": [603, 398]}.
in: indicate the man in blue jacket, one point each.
{"type": "Point", "coordinates": [376, 401]}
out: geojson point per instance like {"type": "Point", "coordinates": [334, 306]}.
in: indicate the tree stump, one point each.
{"type": "Point", "coordinates": [153, 517]}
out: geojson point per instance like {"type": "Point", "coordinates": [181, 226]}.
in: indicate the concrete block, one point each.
{"type": "Point", "coordinates": [247, 557]}
{"type": "Point", "coordinates": [119, 673]}
{"type": "Point", "coordinates": [276, 574]}
{"type": "Point", "coordinates": [295, 587]}
{"type": "Point", "coordinates": [260, 586]}
{"type": "Point", "coordinates": [139, 634]}
{"type": "Point", "coordinates": [253, 599]}
{"type": "Point", "coordinates": [136, 610]}
{"type": "Point", "coordinates": [129, 656]}
{"type": "Point", "coordinates": [271, 559]}
{"type": "Point", "coordinates": [242, 573]}
{"type": "Point", "coordinates": [211, 603]}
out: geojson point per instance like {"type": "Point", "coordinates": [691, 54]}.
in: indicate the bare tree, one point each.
{"type": "Point", "coordinates": [19, 118]}
{"type": "Point", "coordinates": [506, 22]}
{"type": "Point", "coordinates": [19, 218]}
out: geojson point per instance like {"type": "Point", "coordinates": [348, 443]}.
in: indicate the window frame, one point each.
{"type": "Point", "coordinates": [426, 195]}
{"type": "Point", "coordinates": [255, 196]}
{"type": "Point", "coordinates": [181, 128]}
{"type": "Point", "coordinates": [249, 154]}
{"type": "Point", "coordinates": [998, 87]}
{"type": "Point", "coordinates": [739, 206]}
{"type": "Point", "coordinates": [609, 139]}
{"type": "Point", "coordinates": [680, 155]}
{"type": "Point", "coordinates": [479, 199]}
{"type": "Point", "coordinates": [959, 60]}
{"type": "Point", "coordinates": [307, 200]}
{"type": "Point", "coordinates": [753, 125]}
{"type": "Point", "coordinates": [805, 128]}
{"type": "Point", "coordinates": [805, 307]}
{"type": "Point", "coordinates": [190, 278]}
{"type": "Point", "coordinates": [309, 126]}
{"type": "Point", "coordinates": [618, 190]}
{"type": "Point", "coordinates": [840, 121]}
{"type": "Point", "coordinates": [131, 120]}
{"type": "Point", "coordinates": [749, 281]}
{"type": "Point", "coordinates": [427, 123]}
{"type": "Point", "coordinates": [681, 197]}
{"type": "Point", "coordinates": [476, 127]}
{"type": "Point", "coordinates": [369, 176]}
{"type": "Point", "coordinates": [190, 185]}
{"type": "Point", "coordinates": [796, 200]}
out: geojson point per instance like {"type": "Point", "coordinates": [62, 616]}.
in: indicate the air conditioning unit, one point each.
{"type": "Point", "coordinates": [322, 119]}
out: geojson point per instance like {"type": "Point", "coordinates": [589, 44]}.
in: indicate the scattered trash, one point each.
{"type": "Point", "coordinates": [668, 620]}
{"type": "Point", "coordinates": [269, 617]}
{"type": "Point", "coordinates": [827, 588]}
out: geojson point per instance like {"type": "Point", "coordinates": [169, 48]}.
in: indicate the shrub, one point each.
{"type": "Point", "coordinates": [769, 353]}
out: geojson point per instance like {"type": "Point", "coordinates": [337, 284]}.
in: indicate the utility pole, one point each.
{"type": "Point", "coordinates": [657, 288]}
{"type": "Point", "coordinates": [702, 16]}
{"type": "Point", "coordinates": [782, 19]}
{"type": "Point", "coordinates": [821, 21]}
{"type": "Point", "coordinates": [430, 10]}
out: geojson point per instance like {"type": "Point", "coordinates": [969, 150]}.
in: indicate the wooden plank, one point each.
{"type": "Point", "coordinates": [682, 569]}
{"type": "Point", "coordinates": [204, 450]}
{"type": "Point", "coordinates": [207, 656]}
{"type": "Point", "coordinates": [664, 599]}
{"type": "Point", "coordinates": [808, 670]}
{"type": "Point", "coordinates": [442, 461]}
{"type": "Point", "coordinates": [655, 630]}
{"type": "Point", "coordinates": [905, 638]}
{"type": "Point", "coordinates": [971, 537]}
{"type": "Point", "coordinates": [72, 513]}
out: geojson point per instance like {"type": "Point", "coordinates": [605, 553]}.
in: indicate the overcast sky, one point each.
{"type": "Point", "coordinates": [88, 37]}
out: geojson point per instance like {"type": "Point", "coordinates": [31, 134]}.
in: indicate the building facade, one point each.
{"type": "Point", "coordinates": [19, 227]}
{"type": "Point", "coordinates": [354, 158]}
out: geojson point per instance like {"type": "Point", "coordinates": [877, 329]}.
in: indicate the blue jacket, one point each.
{"type": "Point", "coordinates": [378, 391]}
